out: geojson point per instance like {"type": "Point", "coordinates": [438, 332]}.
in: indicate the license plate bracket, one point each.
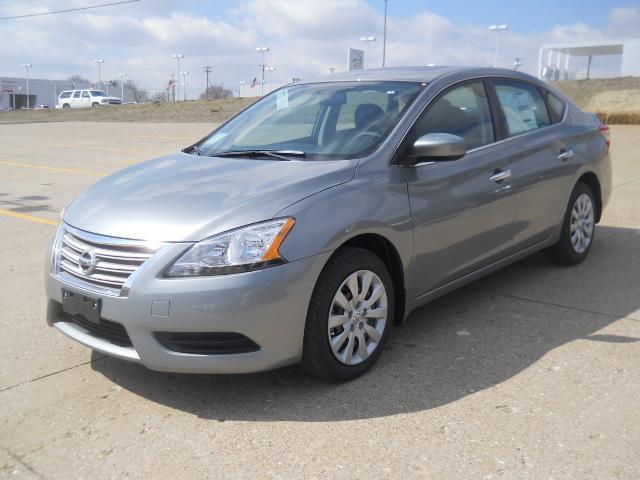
{"type": "Point", "coordinates": [77, 304]}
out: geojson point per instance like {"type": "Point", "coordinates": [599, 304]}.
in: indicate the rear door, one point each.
{"type": "Point", "coordinates": [543, 161]}
{"type": "Point", "coordinates": [85, 99]}
{"type": "Point", "coordinates": [463, 210]}
{"type": "Point", "coordinates": [75, 100]}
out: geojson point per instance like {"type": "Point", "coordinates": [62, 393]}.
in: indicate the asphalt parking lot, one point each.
{"type": "Point", "coordinates": [531, 372]}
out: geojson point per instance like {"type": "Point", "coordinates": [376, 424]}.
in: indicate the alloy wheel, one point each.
{"type": "Point", "coordinates": [357, 317]}
{"type": "Point", "coordinates": [582, 226]}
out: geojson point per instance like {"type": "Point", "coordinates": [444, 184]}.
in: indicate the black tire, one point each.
{"type": "Point", "coordinates": [317, 356]}
{"type": "Point", "coordinates": [94, 105]}
{"type": "Point", "coordinates": [563, 252]}
{"type": "Point", "coordinates": [66, 105]}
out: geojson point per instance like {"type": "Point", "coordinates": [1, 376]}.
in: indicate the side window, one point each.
{"type": "Point", "coordinates": [556, 107]}
{"type": "Point", "coordinates": [65, 94]}
{"type": "Point", "coordinates": [463, 111]}
{"type": "Point", "coordinates": [523, 106]}
{"type": "Point", "coordinates": [362, 106]}
{"type": "Point", "coordinates": [85, 95]}
{"type": "Point", "coordinates": [77, 94]}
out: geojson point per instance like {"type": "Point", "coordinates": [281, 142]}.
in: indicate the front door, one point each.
{"type": "Point", "coordinates": [463, 210]}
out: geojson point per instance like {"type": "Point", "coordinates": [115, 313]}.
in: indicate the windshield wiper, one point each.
{"type": "Point", "coordinates": [281, 154]}
{"type": "Point", "coordinates": [195, 150]}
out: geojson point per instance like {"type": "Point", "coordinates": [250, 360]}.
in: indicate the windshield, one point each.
{"type": "Point", "coordinates": [324, 120]}
{"type": "Point", "coordinates": [98, 93]}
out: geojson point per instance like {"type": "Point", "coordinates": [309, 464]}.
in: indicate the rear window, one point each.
{"type": "Point", "coordinates": [523, 107]}
{"type": "Point", "coordinates": [65, 94]}
{"type": "Point", "coordinates": [556, 107]}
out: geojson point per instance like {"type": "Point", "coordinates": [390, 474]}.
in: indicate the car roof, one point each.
{"type": "Point", "coordinates": [413, 74]}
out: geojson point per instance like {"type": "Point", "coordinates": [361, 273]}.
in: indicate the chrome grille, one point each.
{"type": "Point", "coordinates": [115, 259]}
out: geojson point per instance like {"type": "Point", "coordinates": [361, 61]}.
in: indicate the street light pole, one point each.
{"type": "Point", "coordinates": [122, 76]}
{"type": "Point", "coordinates": [99, 62]}
{"type": "Point", "coordinates": [367, 41]}
{"type": "Point", "coordinates": [497, 29]}
{"type": "Point", "coordinates": [184, 84]}
{"type": "Point", "coordinates": [27, 66]}
{"type": "Point", "coordinates": [270, 69]}
{"type": "Point", "coordinates": [178, 56]}
{"type": "Point", "coordinates": [263, 51]}
{"type": "Point", "coordinates": [384, 36]}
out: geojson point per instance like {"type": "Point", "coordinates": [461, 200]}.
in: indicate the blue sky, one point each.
{"type": "Point", "coordinates": [306, 37]}
{"type": "Point", "coordinates": [526, 17]}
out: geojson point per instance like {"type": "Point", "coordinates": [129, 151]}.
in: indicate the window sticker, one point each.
{"type": "Point", "coordinates": [282, 99]}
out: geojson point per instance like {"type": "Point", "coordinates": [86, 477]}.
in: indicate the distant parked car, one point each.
{"type": "Point", "coordinates": [85, 99]}
{"type": "Point", "coordinates": [41, 107]}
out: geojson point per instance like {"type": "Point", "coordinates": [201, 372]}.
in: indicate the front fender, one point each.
{"type": "Point", "coordinates": [330, 218]}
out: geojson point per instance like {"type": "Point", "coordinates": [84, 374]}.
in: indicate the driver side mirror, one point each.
{"type": "Point", "coordinates": [438, 147]}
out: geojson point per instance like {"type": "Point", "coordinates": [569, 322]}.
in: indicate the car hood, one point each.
{"type": "Point", "coordinates": [187, 198]}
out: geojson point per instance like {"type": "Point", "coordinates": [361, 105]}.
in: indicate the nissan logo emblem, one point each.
{"type": "Point", "coordinates": [87, 261]}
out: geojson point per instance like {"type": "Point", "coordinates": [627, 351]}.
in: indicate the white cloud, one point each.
{"type": "Point", "coordinates": [306, 38]}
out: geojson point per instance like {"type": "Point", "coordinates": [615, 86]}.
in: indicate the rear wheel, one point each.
{"type": "Point", "coordinates": [66, 105]}
{"type": "Point", "coordinates": [349, 316]}
{"type": "Point", "coordinates": [578, 228]}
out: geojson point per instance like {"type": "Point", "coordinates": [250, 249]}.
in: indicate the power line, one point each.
{"type": "Point", "coordinates": [69, 10]}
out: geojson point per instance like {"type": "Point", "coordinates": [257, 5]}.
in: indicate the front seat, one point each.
{"type": "Point", "coordinates": [366, 114]}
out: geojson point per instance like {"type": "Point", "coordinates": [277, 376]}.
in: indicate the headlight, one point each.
{"type": "Point", "coordinates": [242, 250]}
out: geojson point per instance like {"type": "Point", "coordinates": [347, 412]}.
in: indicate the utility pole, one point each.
{"type": "Point", "coordinates": [178, 56]}
{"type": "Point", "coordinates": [27, 66]}
{"type": "Point", "coordinates": [332, 69]}
{"type": "Point", "coordinates": [270, 69]}
{"type": "Point", "coordinates": [588, 68]}
{"type": "Point", "coordinates": [497, 29]}
{"type": "Point", "coordinates": [517, 63]}
{"type": "Point", "coordinates": [384, 36]}
{"type": "Point", "coordinates": [207, 70]}
{"type": "Point", "coordinates": [173, 86]}
{"type": "Point", "coordinates": [184, 84]}
{"type": "Point", "coordinates": [263, 51]}
{"type": "Point", "coordinates": [122, 76]}
{"type": "Point", "coordinates": [367, 41]}
{"type": "Point", "coordinates": [99, 62]}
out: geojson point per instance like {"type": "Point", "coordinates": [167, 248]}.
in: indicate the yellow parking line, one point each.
{"type": "Point", "coordinates": [18, 175]}
{"type": "Point", "coordinates": [108, 149]}
{"type": "Point", "coordinates": [53, 169]}
{"type": "Point", "coordinates": [31, 218]}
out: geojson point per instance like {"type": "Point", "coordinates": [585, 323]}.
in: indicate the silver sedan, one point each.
{"type": "Point", "coordinates": [305, 227]}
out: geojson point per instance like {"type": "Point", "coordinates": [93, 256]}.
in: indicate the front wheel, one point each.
{"type": "Point", "coordinates": [94, 105]}
{"type": "Point", "coordinates": [349, 316]}
{"type": "Point", "coordinates": [578, 228]}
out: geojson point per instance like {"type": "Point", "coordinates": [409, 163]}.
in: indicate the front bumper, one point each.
{"type": "Point", "coordinates": [268, 306]}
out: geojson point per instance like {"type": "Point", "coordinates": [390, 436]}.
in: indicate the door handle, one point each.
{"type": "Point", "coordinates": [499, 176]}
{"type": "Point", "coordinates": [565, 155]}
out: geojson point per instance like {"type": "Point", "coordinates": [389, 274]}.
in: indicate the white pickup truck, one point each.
{"type": "Point", "coordinates": [85, 99]}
